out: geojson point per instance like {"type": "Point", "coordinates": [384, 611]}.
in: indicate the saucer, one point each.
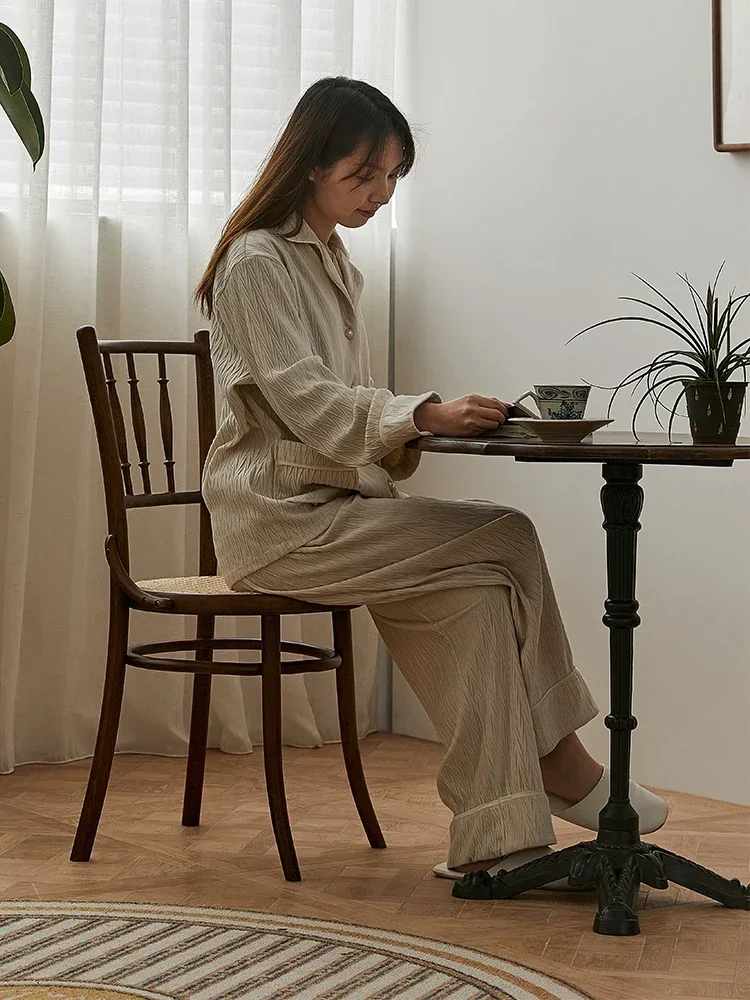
{"type": "Point", "coordinates": [559, 431]}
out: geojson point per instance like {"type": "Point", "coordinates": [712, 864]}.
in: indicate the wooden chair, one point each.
{"type": "Point", "coordinates": [204, 596]}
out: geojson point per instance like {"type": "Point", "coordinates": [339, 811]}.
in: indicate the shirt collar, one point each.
{"type": "Point", "coordinates": [308, 235]}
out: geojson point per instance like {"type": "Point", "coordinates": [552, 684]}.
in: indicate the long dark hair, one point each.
{"type": "Point", "coordinates": [332, 118]}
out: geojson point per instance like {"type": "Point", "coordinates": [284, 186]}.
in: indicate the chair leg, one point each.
{"type": "Point", "coordinates": [342, 637]}
{"type": "Point", "coordinates": [109, 721]}
{"type": "Point", "coordinates": [196, 762]}
{"type": "Point", "coordinates": [272, 759]}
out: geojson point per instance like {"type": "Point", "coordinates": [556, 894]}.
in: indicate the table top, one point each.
{"type": "Point", "coordinates": [604, 446]}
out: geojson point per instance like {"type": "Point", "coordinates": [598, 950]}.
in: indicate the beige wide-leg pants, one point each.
{"type": "Point", "coordinates": [460, 592]}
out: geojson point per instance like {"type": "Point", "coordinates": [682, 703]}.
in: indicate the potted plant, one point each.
{"type": "Point", "coordinates": [22, 109]}
{"type": "Point", "coordinates": [705, 365]}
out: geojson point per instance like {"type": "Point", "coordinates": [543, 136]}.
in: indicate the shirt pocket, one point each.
{"type": "Point", "coordinates": [300, 468]}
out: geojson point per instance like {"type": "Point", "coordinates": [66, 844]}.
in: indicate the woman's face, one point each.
{"type": "Point", "coordinates": [349, 199]}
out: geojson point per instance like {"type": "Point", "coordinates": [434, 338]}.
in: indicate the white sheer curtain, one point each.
{"type": "Point", "coordinates": [158, 116]}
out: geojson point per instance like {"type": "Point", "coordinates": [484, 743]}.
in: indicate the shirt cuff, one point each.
{"type": "Point", "coordinates": [397, 419]}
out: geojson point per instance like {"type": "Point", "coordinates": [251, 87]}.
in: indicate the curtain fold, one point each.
{"type": "Point", "coordinates": [158, 118]}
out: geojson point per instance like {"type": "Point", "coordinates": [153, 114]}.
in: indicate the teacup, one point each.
{"type": "Point", "coordinates": [559, 402]}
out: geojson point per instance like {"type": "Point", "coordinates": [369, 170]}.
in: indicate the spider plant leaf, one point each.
{"type": "Point", "coordinates": [616, 389]}
{"type": "Point", "coordinates": [637, 410]}
{"type": "Point", "coordinates": [689, 331]}
{"type": "Point", "coordinates": [743, 365]}
{"type": "Point", "coordinates": [674, 411]}
{"type": "Point", "coordinates": [716, 324]}
{"type": "Point", "coordinates": [635, 376]}
{"type": "Point", "coordinates": [649, 394]}
{"type": "Point", "coordinates": [7, 314]}
{"type": "Point", "coordinates": [733, 306]}
{"type": "Point", "coordinates": [639, 319]}
{"type": "Point", "coordinates": [664, 383]}
{"type": "Point", "coordinates": [697, 303]}
{"type": "Point", "coordinates": [693, 361]}
{"type": "Point", "coordinates": [11, 66]}
{"type": "Point", "coordinates": [25, 117]}
{"type": "Point", "coordinates": [731, 364]}
{"type": "Point", "coordinates": [654, 370]}
{"type": "Point", "coordinates": [641, 402]}
{"type": "Point", "coordinates": [737, 349]}
{"type": "Point", "coordinates": [709, 317]}
{"type": "Point", "coordinates": [604, 322]}
{"type": "Point", "coordinates": [725, 324]}
{"type": "Point", "coordinates": [653, 391]}
{"type": "Point", "coordinates": [738, 304]}
{"type": "Point", "coordinates": [658, 403]}
{"type": "Point", "coordinates": [718, 274]}
{"type": "Point", "coordinates": [717, 383]}
{"type": "Point", "coordinates": [668, 301]}
{"type": "Point", "coordinates": [739, 362]}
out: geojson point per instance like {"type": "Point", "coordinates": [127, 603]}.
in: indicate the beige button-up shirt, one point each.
{"type": "Point", "coordinates": [302, 424]}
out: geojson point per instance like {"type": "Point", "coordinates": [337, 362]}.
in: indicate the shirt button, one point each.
{"type": "Point", "coordinates": [349, 334]}
{"type": "Point", "coordinates": [390, 482]}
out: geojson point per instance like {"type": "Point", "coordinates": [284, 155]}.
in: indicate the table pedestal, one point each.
{"type": "Point", "coordinates": [617, 862]}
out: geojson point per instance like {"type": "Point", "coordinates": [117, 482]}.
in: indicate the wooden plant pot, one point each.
{"type": "Point", "coordinates": [710, 422]}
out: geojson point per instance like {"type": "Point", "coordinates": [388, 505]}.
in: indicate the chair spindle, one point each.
{"type": "Point", "coordinates": [119, 422]}
{"type": "Point", "coordinates": [165, 419]}
{"type": "Point", "coordinates": [139, 423]}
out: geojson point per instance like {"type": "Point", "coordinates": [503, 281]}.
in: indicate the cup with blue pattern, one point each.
{"type": "Point", "coordinates": [558, 402]}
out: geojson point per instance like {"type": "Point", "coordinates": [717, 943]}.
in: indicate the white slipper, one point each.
{"type": "Point", "coordinates": [509, 862]}
{"type": "Point", "coordinates": [652, 810]}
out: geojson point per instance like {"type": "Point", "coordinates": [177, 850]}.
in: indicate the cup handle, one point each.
{"type": "Point", "coordinates": [523, 409]}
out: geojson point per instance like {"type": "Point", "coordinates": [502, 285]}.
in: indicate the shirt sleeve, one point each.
{"type": "Point", "coordinates": [402, 462]}
{"type": "Point", "coordinates": [352, 425]}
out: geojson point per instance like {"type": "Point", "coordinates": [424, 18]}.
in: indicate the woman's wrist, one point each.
{"type": "Point", "coordinates": [424, 416]}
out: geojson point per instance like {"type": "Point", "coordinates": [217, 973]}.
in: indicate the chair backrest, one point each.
{"type": "Point", "coordinates": [120, 479]}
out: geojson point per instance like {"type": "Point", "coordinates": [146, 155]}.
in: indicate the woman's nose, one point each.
{"type": "Point", "coordinates": [383, 193]}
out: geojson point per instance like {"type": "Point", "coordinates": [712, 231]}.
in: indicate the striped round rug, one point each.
{"type": "Point", "coordinates": [124, 951]}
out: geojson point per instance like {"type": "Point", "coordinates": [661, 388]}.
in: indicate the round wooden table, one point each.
{"type": "Point", "coordinates": [618, 861]}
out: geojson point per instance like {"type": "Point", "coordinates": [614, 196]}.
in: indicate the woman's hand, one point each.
{"type": "Point", "coordinates": [461, 417]}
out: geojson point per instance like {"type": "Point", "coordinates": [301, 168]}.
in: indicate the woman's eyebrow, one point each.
{"type": "Point", "coordinates": [382, 170]}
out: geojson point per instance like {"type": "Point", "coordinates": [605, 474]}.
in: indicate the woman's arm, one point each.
{"type": "Point", "coordinates": [352, 425]}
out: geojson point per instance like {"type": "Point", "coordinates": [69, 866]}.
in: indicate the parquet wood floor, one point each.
{"type": "Point", "coordinates": [689, 946]}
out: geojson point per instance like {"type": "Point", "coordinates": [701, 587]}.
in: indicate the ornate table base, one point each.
{"type": "Point", "coordinates": [617, 873]}
{"type": "Point", "coordinates": [617, 862]}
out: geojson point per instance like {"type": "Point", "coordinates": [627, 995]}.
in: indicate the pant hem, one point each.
{"type": "Point", "coordinates": [501, 827]}
{"type": "Point", "coordinates": [564, 708]}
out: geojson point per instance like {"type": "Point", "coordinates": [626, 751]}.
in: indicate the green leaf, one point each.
{"type": "Point", "coordinates": [739, 362]}
{"type": "Point", "coordinates": [638, 319]}
{"type": "Point", "coordinates": [23, 55]}
{"type": "Point", "coordinates": [658, 403]}
{"type": "Point", "coordinates": [709, 314]}
{"type": "Point", "coordinates": [674, 411]}
{"type": "Point", "coordinates": [669, 380]}
{"type": "Point", "coordinates": [660, 364]}
{"type": "Point", "coordinates": [11, 67]}
{"type": "Point", "coordinates": [737, 304]}
{"type": "Point", "coordinates": [689, 330]}
{"type": "Point", "coordinates": [19, 103]}
{"type": "Point", "coordinates": [696, 301]}
{"type": "Point", "coordinates": [26, 118]}
{"type": "Point", "coordinates": [665, 299]}
{"type": "Point", "coordinates": [7, 315]}
{"type": "Point", "coordinates": [730, 364]}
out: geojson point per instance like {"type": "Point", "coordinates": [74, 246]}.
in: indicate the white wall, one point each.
{"type": "Point", "coordinates": [566, 145]}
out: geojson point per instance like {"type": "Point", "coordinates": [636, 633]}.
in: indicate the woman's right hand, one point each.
{"type": "Point", "coordinates": [461, 417]}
